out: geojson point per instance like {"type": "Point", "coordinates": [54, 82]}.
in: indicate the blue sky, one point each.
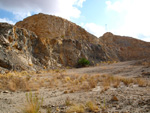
{"type": "Point", "coordinates": [121, 17]}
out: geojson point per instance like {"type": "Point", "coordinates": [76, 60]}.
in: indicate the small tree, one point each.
{"type": "Point", "coordinates": [83, 62]}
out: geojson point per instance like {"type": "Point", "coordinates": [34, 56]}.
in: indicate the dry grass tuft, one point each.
{"type": "Point", "coordinates": [68, 102]}
{"type": "Point", "coordinates": [58, 78]}
{"type": "Point", "coordinates": [116, 84]}
{"type": "Point", "coordinates": [33, 104]}
{"type": "Point", "coordinates": [17, 81]}
{"type": "Point", "coordinates": [92, 107]}
{"type": "Point", "coordinates": [127, 81]}
{"type": "Point", "coordinates": [76, 109]}
{"type": "Point", "coordinates": [14, 83]}
{"type": "Point", "coordinates": [141, 82]}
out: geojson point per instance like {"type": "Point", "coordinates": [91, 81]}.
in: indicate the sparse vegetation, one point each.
{"type": "Point", "coordinates": [103, 105]}
{"type": "Point", "coordinates": [25, 82]}
{"type": "Point", "coordinates": [12, 82]}
{"type": "Point", "coordinates": [49, 110]}
{"type": "Point", "coordinates": [83, 62]}
{"type": "Point", "coordinates": [33, 103]}
{"type": "Point", "coordinates": [76, 108]}
{"type": "Point", "coordinates": [106, 62]}
{"type": "Point", "coordinates": [92, 107]}
{"type": "Point", "coordinates": [68, 102]}
{"type": "Point", "coordinates": [70, 83]}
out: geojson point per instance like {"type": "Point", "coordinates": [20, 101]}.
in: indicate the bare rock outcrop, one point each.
{"type": "Point", "coordinates": [17, 47]}
{"type": "Point", "coordinates": [63, 42]}
{"type": "Point", "coordinates": [48, 26]}
{"type": "Point", "coordinates": [45, 41]}
{"type": "Point", "coordinates": [123, 48]}
{"type": "Point", "coordinates": [22, 49]}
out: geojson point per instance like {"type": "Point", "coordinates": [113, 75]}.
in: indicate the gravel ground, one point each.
{"type": "Point", "coordinates": [123, 99]}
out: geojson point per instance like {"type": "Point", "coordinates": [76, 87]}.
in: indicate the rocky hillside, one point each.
{"type": "Point", "coordinates": [63, 42]}
{"type": "Point", "coordinates": [48, 27]}
{"type": "Point", "coordinates": [45, 41]}
{"type": "Point", "coordinates": [123, 48]}
{"type": "Point", "coordinates": [16, 48]}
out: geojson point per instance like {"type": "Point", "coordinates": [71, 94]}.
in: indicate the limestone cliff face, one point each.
{"type": "Point", "coordinates": [123, 48]}
{"type": "Point", "coordinates": [21, 49]}
{"type": "Point", "coordinates": [63, 42]}
{"type": "Point", "coordinates": [16, 47]}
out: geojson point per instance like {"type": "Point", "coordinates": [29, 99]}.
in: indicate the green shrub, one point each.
{"type": "Point", "coordinates": [83, 62]}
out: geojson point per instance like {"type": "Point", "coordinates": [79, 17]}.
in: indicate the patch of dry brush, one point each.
{"type": "Point", "coordinates": [59, 78]}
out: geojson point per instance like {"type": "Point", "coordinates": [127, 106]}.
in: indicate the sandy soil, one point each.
{"type": "Point", "coordinates": [122, 99]}
{"type": "Point", "coordinates": [121, 68]}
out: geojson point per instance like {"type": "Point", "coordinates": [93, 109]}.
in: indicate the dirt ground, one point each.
{"type": "Point", "coordinates": [120, 98]}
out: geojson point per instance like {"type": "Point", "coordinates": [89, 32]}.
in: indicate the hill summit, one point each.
{"type": "Point", "coordinates": [48, 26]}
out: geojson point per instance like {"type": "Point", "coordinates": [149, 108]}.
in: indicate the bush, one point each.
{"type": "Point", "coordinates": [83, 62]}
{"type": "Point", "coordinates": [33, 103]}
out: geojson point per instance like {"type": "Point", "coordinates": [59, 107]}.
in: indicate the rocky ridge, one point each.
{"type": "Point", "coordinates": [64, 41]}
{"type": "Point", "coordinates": [45, 41]}
{"type": "Point", "coordinates": [123, 48]}
{"type": "Point", "coordinates": [51, 27]}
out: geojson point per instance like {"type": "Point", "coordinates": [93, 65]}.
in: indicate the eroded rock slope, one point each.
{"type": "Point", "coordinates": [16, 47]}
{"type": "Point", "coordinates": [45, 41]}
{"type": "Point", "coordinates": [63, 41]}
{"type": "Point", "coordinates": [123, 48]}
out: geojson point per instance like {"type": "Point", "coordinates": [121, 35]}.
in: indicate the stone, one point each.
{"type": "Point", "coordinates": [6, 91]}
{"type": "Point", "coordinates": [114, 98]}
{"type": "Point", "coordinates": [2, 72]}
